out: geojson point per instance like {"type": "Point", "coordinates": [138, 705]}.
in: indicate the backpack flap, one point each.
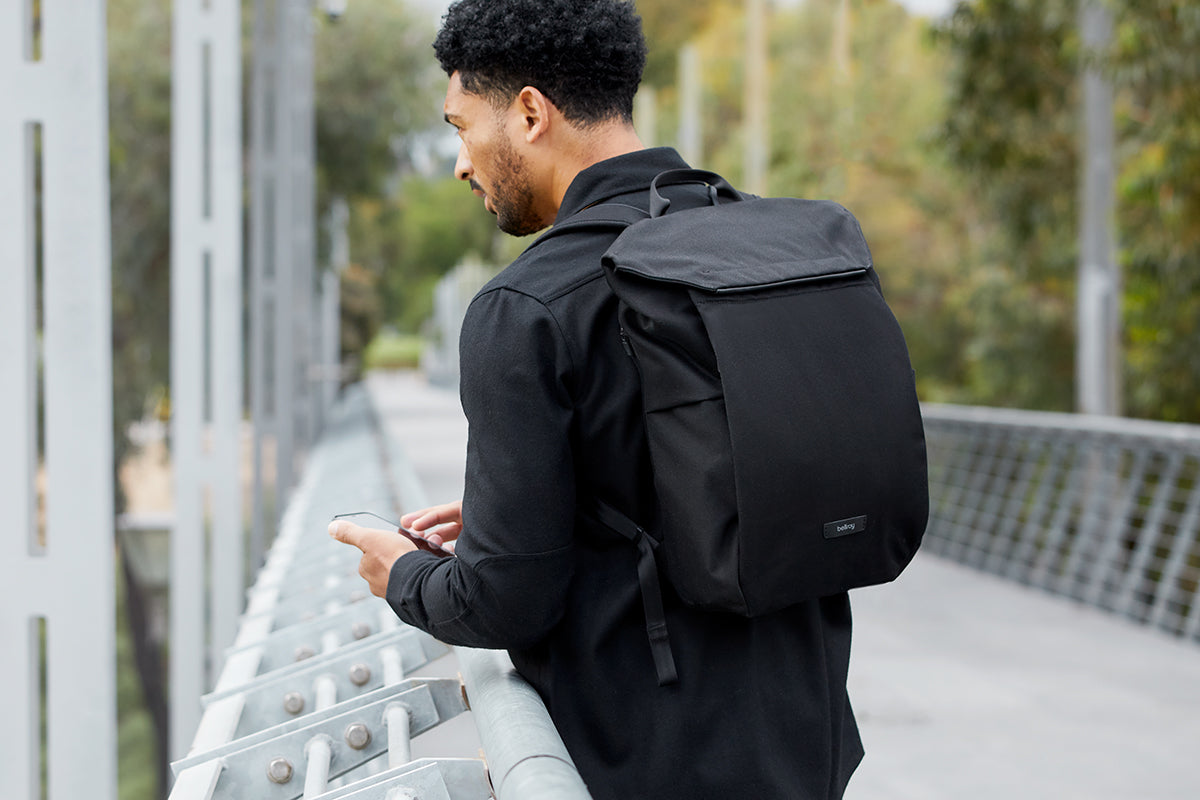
{"type": "Point", "coordinates": [781, 411]}
{"type": "Point", "coordinates": [828, 447]}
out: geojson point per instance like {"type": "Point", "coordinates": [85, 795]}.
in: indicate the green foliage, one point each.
{"type": "Point", "coordinates": [1013, 95]}
{"type": "Point", "coordinates": [862, 135]}
{"type": "Point", "coordinates": [410, 239]}
{"type": "Point", "coordinates": [379, 126]}
{"type": "Point", "coordinates": [361, 315]}
{"type": "Point", "coordinates": [1011, 127]}
{"type": "Point", "coordinates": [391, 350]}
{"type": "Point", "coordinates": [1155, 64]}
{"type": "Point", "coordinates": [376, 84]}
{"type": "Point", "coordinates": [669, 24]}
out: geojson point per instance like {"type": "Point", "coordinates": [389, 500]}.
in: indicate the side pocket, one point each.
{"type": "Point", "coordinates": [693, 474]}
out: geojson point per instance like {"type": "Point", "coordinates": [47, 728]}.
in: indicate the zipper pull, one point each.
{"type": "Point", "coordinates": [627, 345]}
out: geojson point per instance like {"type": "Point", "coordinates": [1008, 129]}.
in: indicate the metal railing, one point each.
{"type": "Point", "coordinates": [1103, 510]}
{"type": "Point", "coordinates": [316, 697]}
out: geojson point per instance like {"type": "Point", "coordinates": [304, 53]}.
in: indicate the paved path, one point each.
{"type": "Point", "coordinates": [965, 686]}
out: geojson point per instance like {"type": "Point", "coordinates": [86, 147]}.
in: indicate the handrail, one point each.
{"type": "Point", "coordinates": [526, 757]}
{"type": "Point", "coordinates": [1105, 510]}
{"type": "Point", "coordinates": [1092, 424]}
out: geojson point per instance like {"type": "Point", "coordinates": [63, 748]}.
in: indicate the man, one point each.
{"type": "Point", "coordinates": [541, 94]}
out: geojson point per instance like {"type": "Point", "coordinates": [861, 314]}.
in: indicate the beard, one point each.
{"type": "Point", "coordinates": [512, 194]}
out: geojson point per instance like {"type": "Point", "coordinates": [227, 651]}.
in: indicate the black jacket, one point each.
{"type": "Point", "coordinates": [760, 709]}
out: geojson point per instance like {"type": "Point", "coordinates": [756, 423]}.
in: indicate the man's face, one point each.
{"type": "Point", "coordinates": [488, 161]}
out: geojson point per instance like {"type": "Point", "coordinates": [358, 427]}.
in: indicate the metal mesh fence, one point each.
{"type": "Point", "coordinates": [1102, 510]}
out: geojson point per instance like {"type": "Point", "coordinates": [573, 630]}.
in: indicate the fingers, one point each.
{"type": "Point", "coordinates": [447, 514]}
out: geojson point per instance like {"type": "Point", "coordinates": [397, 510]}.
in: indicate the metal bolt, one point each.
{"type": "Point", "coordinates": [293, 702]}
{"type": "Point", "coordinates": [279, 770]}
{"type": "Point", "coordinates": [360, 674]}
{"type": "Point", "coordinates": [358, 736]}
{"type": "Point", "coordinates": [361, 630]}
{"type": "Point", "coordinates": [303, 652]}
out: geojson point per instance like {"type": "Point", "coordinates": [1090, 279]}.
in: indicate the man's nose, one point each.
{"type": "Point", "coordinates": [462, 166]}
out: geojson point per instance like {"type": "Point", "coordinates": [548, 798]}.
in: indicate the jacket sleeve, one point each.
{"type": "Point", "coordinates": [507, 585]}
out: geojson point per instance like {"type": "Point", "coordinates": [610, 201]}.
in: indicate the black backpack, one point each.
{"type": "Point", "coordinates": [781, 412]}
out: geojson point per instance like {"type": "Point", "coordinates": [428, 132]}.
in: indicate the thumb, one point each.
{"type": "Point", "coordinates": [346, 532]}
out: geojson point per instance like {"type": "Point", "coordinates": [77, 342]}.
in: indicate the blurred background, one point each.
{"type": "Point", "coordinates": [956, 132]}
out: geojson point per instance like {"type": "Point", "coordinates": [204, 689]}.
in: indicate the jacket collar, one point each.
{"type": "Point", "coordinates": [613, 177]}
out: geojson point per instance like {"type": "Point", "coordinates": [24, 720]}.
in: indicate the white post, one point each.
{"type": "Point", "coordinates": [645, 115]}
{"type": "Point", "coordinates": [1098, 303]}
{"type": "Point", "coordinates": [57, 578]}
{"type": "Point", "coordinates": [283, 336]}
{"type": "Point", "coordinates": [302, 204]}
{"type": "Point", "coordinates": [330, 316]}
{"type": "Point", "coordinates": [206, 341]}
{"type": "Point", "coordinates": [263, 207]}
{"type": "Point", "coordinates": [281, 251]}
{"type": "Point", "coordinates": [757, 88]}
{"type": "Point", "coordinates": [691, 139]}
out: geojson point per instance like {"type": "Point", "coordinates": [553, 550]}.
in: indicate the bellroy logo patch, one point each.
{"type": "Point", "coordinates": [845, 527]}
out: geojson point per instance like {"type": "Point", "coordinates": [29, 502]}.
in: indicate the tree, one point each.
{"type": "Point", "coordinates": [377, 93]}
{"type": "Point", "coordinates": [1154, 63]}
{"type": "Point", "coordinates": [1011, 127]}
{"type": "Point", "coordinates": [380, 140]}
{"type": "Point", "coordinates": [862, 137]}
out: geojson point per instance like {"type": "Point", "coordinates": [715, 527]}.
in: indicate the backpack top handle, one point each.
{"type": "Point", "coordinates": [716, 186]}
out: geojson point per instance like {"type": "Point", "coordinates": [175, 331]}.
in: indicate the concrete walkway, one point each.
{"type": "Point", "coordinates": [965, 686]}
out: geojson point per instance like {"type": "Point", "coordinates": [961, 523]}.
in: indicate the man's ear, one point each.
{"type": "Point", "coordinates": [536, 111]}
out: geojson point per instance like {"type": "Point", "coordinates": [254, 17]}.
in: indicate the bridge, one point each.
{"type": "Point", "coordinates": [1043, 644]}
{"type": "Point", "coordinates": [1035, 648]}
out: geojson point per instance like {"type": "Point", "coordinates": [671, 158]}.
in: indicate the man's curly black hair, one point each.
{"type": "Point", "coordinates": [586, 56]}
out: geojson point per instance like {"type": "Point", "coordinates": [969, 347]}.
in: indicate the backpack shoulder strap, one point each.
{"type": "Point", "coordinates": [602, 216]}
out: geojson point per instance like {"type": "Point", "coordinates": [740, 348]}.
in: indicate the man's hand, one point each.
{"type": "Point", "coordinates": [439, 525]}
{"type": "Point", "coordinates": [380, 550]}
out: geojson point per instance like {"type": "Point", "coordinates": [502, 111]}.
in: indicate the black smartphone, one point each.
{"type": "Point", "coordinates": [420, 541]}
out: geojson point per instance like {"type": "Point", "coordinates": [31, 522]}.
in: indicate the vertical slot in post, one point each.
{"type": "Point", "coordinates": [270, 378]}
{"type": "Point", "coordinates": [206, 344]}
{"type": "Point", "coordinates": [267, 226]}
{"type": "Point", "coordinates": [32, 24]}
{"type": "Point", "coordinates": [36, 269]}
{"type": "Point", "coordinates": [268, 112]}
{"type": "Point", "coordinates": [39, 727]}
{"type": "Point", "coordinates": [206, 132]}
{"type": "Point", "coordinates": [208, 643]}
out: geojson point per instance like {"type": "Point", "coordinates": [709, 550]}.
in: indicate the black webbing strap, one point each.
{"type": "Point", "coordinates": [603, 216]}
{"type": "Point", "coordinates": [656, 618]}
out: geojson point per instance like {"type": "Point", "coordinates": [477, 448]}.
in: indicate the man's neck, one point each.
{"type": "Point", "coordinates": [592, 147]}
